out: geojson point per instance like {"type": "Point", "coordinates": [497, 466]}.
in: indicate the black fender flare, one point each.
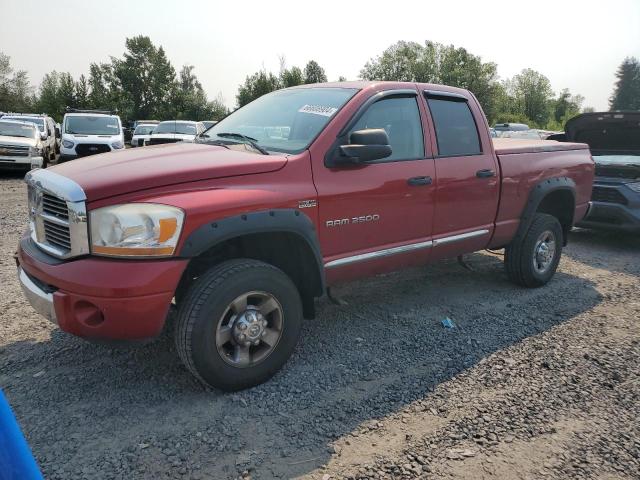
{"type": "Point", "coordinates": [537, 194]}
{"type": "Point", "coordinates": [287, 220]}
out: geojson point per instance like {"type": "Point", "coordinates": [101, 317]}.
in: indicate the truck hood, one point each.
{"type": "Point", "coordinates": [606, 133]}
{"type": "Point", "coordinates": [136, 169]}
{"type": "Point", "coordinates": [5, 140]}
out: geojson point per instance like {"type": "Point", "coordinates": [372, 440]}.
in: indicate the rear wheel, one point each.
{"type": "Point", "coordinates": [533, 260]}
{"type": "Point", "coordinates": [238, 324]}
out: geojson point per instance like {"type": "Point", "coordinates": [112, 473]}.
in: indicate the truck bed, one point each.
{"type": "Point", "coordinates": [504, 146]}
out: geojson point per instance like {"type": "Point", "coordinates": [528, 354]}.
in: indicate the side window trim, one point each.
{"type": "Point", "coordinates": [342, 135]}
{"type": "Point", "coordinates": [405, 92]}
{"type": "Point", "coordinates": [451, 97]}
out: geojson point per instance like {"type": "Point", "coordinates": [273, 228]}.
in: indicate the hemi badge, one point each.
{"type": "Point", "coordinates": [307, 203]}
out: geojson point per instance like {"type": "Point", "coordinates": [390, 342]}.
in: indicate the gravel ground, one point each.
{"type": "Point", "coordinates": [538, 383]}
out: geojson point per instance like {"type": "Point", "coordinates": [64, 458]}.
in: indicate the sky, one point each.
{"type": "Point", "coordinates": [576, 44]}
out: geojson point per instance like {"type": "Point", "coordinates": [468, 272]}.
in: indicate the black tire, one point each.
{"type": "Point", "coordinates": [521, 256]}
{"type": "Point", "coordinates": [203, 310]}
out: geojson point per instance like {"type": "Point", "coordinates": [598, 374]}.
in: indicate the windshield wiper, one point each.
{"type": "Point", "coordinates": [218, 143]}
{"type": "Point", "coordinates": [250, 140]}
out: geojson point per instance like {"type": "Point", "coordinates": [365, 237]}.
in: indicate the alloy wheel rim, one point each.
{"type": "Point", "coordinates": [249, 329]}
{"type": "Point", "coordinates": [544, 252]}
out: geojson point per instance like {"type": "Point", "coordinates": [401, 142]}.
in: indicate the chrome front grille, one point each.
{"type": "Point", "coordinates": [54, 206]}
{"type": "Point", "coordinates": [57, 214]}
{"type": "Point", "coordinates": [14, 150]}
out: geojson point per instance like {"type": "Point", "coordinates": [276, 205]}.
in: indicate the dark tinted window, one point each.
{"type": "Point", "coordinates": [400, 118]}
{"type": "Point", "coordinates": [456, 130]}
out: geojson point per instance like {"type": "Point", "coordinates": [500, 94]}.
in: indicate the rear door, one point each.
{"type": "Point", "coordinates": [468, 187]}
{"type": "Point", "coordinates": [377, 216]}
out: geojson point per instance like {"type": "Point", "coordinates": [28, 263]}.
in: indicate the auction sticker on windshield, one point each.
{"type": "Point", "coordinates": [318, 110]}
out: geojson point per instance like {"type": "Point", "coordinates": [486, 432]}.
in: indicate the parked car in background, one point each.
{"type": "Point", "coordinates": [21, 146]}
{"type": "Point", "coordinates": [614, 138]}
{"type": "Point", "coordinates": [173, 131]}
{"type": "Point", "coordinates": [141, 134]}
{"type": "Point", "coordinates": [245, 228]}
{"type": "Point", "coordinates": [528, 134]}
{"type": "Point", "coordinates": [209, 123]}
{"type": "Point", "coordinates": [502, 127]}
{"type": "Point", "coordinates": [87, 132]}
{"type": "Point", "coordinates": [47, 128]}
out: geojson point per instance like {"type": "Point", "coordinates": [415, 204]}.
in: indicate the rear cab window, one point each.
{"type": "Point", "coordinates": [455, 126]}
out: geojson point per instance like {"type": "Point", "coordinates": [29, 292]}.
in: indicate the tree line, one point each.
{"type": "Point", "coordinates": [143, 84]}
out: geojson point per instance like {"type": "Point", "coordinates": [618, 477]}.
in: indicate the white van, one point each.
{"type": "Point", "coordinates": [88, 132]}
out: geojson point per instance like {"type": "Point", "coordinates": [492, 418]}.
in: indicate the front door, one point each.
{"type": "Point", "coordinates": [377, 216]}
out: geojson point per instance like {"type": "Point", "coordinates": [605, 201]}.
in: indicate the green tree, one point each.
{"type": "Point", "coordinates": [146, 80]}
{"type": "Point", "coordinates": [82, 92]}
{"type": "Point", "coordinates": [101, 95]}
{"type": "Point", "coordinates": [566, 106]}
{"type": "Point", "coordinates": [291, 77]}
{"type": "Point", "coordinates": [16, 92]}
{"type": "Point", "coordinates": [48, 99]}
{"type": "Point", "coordinates": [256, 85]}
{"type": "Point", "coordinates": [314, 73]}
{"type": "Point", "coordinates": [626, 93]}
{"type": "Point", "coordinates": [533, 96]}
{"type": "Point", "coordinates": [437, 63]}
{"type": "Point", "coordinates": [67, 90]}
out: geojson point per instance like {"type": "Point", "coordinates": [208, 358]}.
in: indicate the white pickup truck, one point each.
{"type": "Point", "coordinates": [20, 145]}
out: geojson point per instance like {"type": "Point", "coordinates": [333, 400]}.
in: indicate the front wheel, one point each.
{"type": "Point", "coordinates": [532, 260]}
{"type": "Point", "coordinates": [238, 324]}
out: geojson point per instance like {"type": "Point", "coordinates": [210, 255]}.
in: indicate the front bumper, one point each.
{"type": "Point", "coordinates": [64, 157]}
{"type": "Point", "coordinates": [38, 297]}
{"type": "Point", "coordinates": [612, 216]}
{"type": "Point", "coordinates": [620, 211]}
{"type": "Point", "coordinates": [20, 162]}
{"type": "Point", "coordinates": [99, 298]}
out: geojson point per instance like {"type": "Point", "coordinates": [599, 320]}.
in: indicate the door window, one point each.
{"type": "Point", "coordinates": [400, 118]}
{"type": "Point", "coordinates": [456, 131]}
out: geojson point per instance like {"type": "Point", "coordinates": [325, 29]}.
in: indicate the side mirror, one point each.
{"type": "Point", "coordinates": [57, 132]}
{"type": "Point", "coordinates": [364, 146]}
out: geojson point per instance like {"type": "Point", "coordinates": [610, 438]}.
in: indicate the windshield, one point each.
{"type": "Point", "coordinates": [37, 120]}
{"type": "Point", "coordinates": [176, 127]}
{"type": "Point", "coordinates": [10, 129]}
{"type": "Point", "coordinates": [92, 125]}
{"type": "Point", "coordinates": [285, 120]}
{"type": "Point", "coordinates": [144, 129]}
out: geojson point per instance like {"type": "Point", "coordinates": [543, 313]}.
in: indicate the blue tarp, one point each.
{"type": "Point", "coordinates": [16, 460]}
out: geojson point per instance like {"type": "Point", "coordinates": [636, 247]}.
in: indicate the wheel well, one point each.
{"type": "Point", "coordinates": [560, 204]}
{"type": "Point", "coordinates": [288, 251]}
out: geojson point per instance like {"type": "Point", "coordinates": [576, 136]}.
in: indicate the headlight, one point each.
{"type": "Point", "coordinates": [117, 145]}
{"type": "Point", "coordinates": [634, 186]}
{"type": "Point", "coordinates": [135, 230]}
{"type": "Point", "coordinates": [67, 144]}
{"type": "Point", "coordinates": [35, 152]}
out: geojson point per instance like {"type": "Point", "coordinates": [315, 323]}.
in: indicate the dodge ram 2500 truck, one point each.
{"type": "Point", "coordinates": [299, 190]}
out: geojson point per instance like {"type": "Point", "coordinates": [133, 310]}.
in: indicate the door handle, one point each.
{"type": "Point", "coordinates": [485, 173]}
{"type": "Point", "coordinates": [418, 181]}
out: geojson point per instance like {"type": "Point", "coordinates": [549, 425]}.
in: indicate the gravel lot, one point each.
{"type": "Point", "coordinates": [529, 384]}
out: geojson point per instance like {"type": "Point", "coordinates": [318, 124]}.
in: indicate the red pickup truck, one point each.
{"type": "Point", "coordinates": [299, 190]}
